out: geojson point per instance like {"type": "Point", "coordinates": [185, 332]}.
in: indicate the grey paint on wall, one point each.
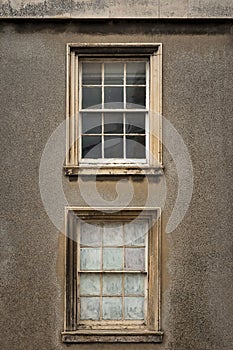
{"type": "Point", "coordinates": [117, 9]}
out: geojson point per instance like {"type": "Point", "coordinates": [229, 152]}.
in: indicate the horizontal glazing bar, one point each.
{"type": "Point", "coordinates": [113, 271]}
{"type": "Point", "coordinates": [133, 134]}
{"type": "Point", "coordinates": [114, 110]}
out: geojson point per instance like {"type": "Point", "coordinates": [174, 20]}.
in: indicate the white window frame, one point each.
{"type": "Point", "coordinates": [148, 331]}
{"type": "Point", "coordinates": [153, 163]}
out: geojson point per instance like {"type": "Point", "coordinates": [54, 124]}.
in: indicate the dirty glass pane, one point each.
{"type": "Point", "coordinates": [113, 234]}
{"type": "Point", "coordinates": [113, 147]}
{"type": "Point", "coordinates": [91, 74]}
{"type": "Point", "coordinates": [135, 97]}
{"type": "Point", "coordinates": [112, 308]}
{"type": "Point", "coordinates": [135, 147]}
{"type": "Point", "coordinates": [134, 284]}
{"type": "Point", "coordinates": [135, 233]}
{"type": "Point", "coordinates": [134, 308]}
{"type": "Point", "coordinates": [112, 284]}
{"type": "Point", "coordinates": [113, 74]}
{"type": "Point", "coordinates": [90, 234]}
{"type": "Point", "coordinates": [135, 259]}
{"type": "Point", "coordinates": [89, 284]}
{"type": "Point", "coordinates": [91, 97]}
{"type": "Point", "coordinates": [91, 147]}
{"type": "Point", "coordinates": [113, 123]}
{"type": "Point", "coordinates": [90, 308]}
{"type": "Point", "coordinates": [91, 123]}
{"type": "Point", "coordinates": [90, 259]}
{"type": "Point", "coordinates": [136, 73]}
{"type": "Point", "coordinates": [113, 97]}
{"type": "Point", "coordinates": [135, 123]}
{"type": "Point", "coordinates": [112, 258]}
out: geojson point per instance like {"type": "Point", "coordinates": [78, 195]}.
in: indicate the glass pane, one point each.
{"type": "Point", "coordinates": [90, 308]}
{"type": "Point", "coordinates": [91, 123]}
{"type": "Point", "coordinates": [135, 97]}
{"type": "Point", "coordinates": [91, 147]}
{"type": "Point", "coordinates": [91, 74]}
{"type": "Point", "coordinates": [90, 234]}
{"type": "Point", "coordinates": [134, 308]}
{"type": "Point", "coordinates": [113, 97]}
{"type": "Point", "coordinates": [135, 233]}
{"type": "Point", "coordinates": [135, 147]}
{"type": "Point", "coordinates": [136, 73]}
{"type": "Point", "coordinates": [113, 123]}
{"type": "Point", "coordinates": [89, 284]}
{"type": "Point", "coordinates": [112, 258]}
{"type": "Point", "coordinates": [90, 259]}
{"type": "Point", "coordinates": [135, 259]}
{"type": "Point", "coordinates": [135, 123]}
{"type": "Point", "coordinates": [112, 284]}
{"type": "Point", "coordinates": [134, 284]}
{"type": "Point", "coordinates": [113, 74]}
{"type": "Point", "coordinates": [91, 97]}
{"type": "Point", "coordinates": [113, 234]}
{"type": "Point", "coordinates": [113, 147]}
{"type": "Point", "coordinates": [112, 308]}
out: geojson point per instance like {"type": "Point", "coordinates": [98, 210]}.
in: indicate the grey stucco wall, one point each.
{"type": "Point", "coordinates": [197, 257]}
{"type": "Point", "coordinates": [117, 8]}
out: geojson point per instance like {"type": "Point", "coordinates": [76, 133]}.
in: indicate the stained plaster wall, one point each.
{"type": "Point", "coordinates": [116, 8]}
{"type": "Point", "coordinates": [197, 305]}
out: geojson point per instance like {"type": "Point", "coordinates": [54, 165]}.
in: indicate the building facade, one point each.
{"type": "Point", "coordinates": [116, 175]}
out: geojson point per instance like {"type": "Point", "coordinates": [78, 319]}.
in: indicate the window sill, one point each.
{"type": "Point", "coordinates": [92, 336]}
{"type": "Point", "coordinates": [102, 170]}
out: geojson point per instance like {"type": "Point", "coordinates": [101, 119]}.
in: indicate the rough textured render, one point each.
{"type": "Point", "coordinates": [116, 9]}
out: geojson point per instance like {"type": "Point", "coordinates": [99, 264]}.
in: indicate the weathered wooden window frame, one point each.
{"type": "Point", "coordinates": [153, 52]}
{"type": "Point", "coordinates": [150, 332]}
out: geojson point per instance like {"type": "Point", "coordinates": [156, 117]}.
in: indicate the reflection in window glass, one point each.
{"type": "Point", "coordinates": [113, 74]}
{"type": "Point", "coordinates": [135, 73]}
{"type": "Point", "coordinates": [113, 147]}
{"type": "Point", "coordinates": [91, 74]}
{"type": "Point", "coordinates": [91, 147]}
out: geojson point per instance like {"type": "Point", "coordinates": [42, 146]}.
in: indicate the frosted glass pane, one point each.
{"type": "Point", "coordinates": [112, 284]}
{"type": "Point", "coordinates": [91, 147]}
{"type": "Point", "coordinates": [136, 233]}
{"type": "Point", "coordinates": [89, 284]}
{"type": "Point", "coordinates": [136, 73]}
{"type": "Point", "coordinates": [113, 74]}
{"type": "Point", "coordinates": [135, 259]}
{"type": "Point", "coordinates": [90, 308]}
{"type": "Point", "coordinates": [135, 97]}
{"type": "Point", "coordinates": [134, 308]}
{"type": "Point", "coordinates": [91, 123]}
{"type": "Point", "coordinates": [113, 147]}
{"type": "Point", "coordinates": [91, 74]}
{"type": "Point", "coordinates": [135, 147]}
{"type": "Point", "coordinates": [112, 308]}
{"type": "Point", "coordinates": [113, 123]}
{"type": "Point", "coordinates": [135, 123]}
{"type": "Point", "coordinates": [112, 258]}
{"type": "Point", "coordinates": [134, 284]}
{"type": "Point", "coordinates": [91, 97]}
{"type": "Point", "coordinates": [113, 97]}
{"type": "Point", "coordinates": [90, 259]}
{"type": "Point", "coordinates": [113, 234]}
{"type": "Point", "coordinates": [90, 234]}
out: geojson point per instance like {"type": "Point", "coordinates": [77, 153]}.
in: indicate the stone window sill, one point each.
{"type": "Point", "coordinates": [90, 170]}
{"type": "Point", "coordinates": [93, 336]}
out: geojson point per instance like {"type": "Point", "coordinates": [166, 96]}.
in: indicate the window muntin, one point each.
{"type": "Point", "coordinates": [113, 108]}
{"type": "Point", "coordinates": [112, 271]}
